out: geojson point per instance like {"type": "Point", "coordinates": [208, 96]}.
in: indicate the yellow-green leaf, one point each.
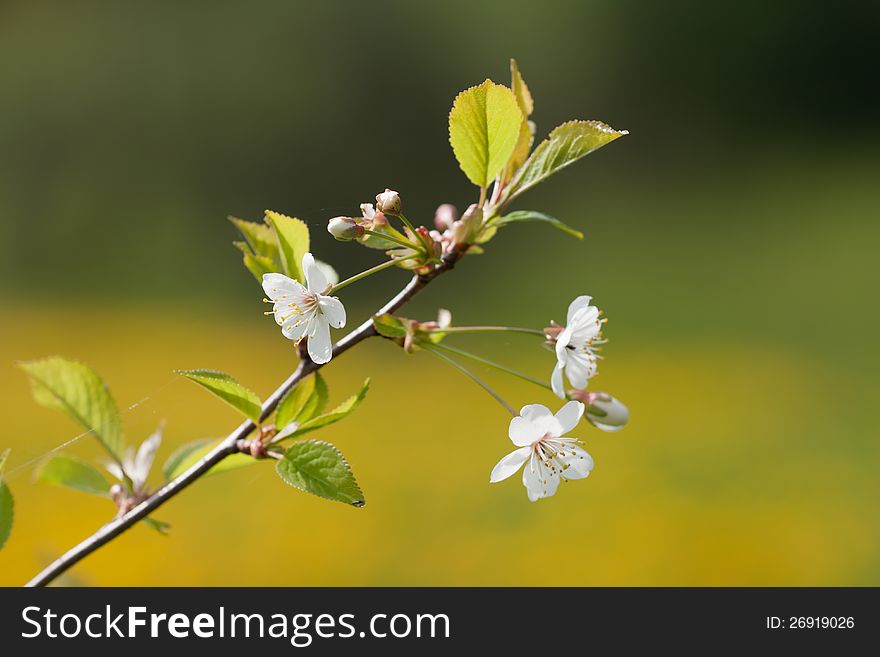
{"type": "Point", "coordinates": [293, 242]}
{"type": "Point", "coordinates": [228, 389]}
{"type": "Point", "coordinates": [565, 145]}
{"type": "Point", "coordinates": [520, 90]}
{"type": "Point", "coordinates": [306, 400]}
{"type": "Point", "coordinates": [76, 389]}
{"type": "Point", "coordinates": [259, 237]}
{"type": "Point", "coordinates": [484, 126]}
{"type": "Point", "coordinates": [259, 265]}
{"type": "Point", "coordinates": [337, 414]}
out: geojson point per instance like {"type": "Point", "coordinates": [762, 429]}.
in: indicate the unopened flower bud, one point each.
{"type": "Point", "coordinates": [466, 229]}
{"type": "Point", "coordinates": [344, 228]}
{"type": "Point", "coordinates": [445, 216]}
{"type": "Point", "coordinates": [603, 411]}
{"type": "Point", "coordinates": [388, 201]}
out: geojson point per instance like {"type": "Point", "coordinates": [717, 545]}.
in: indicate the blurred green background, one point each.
{"type": "Point", "coordinates": [731, 239]}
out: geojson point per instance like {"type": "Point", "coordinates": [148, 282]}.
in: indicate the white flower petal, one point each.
{"type": "Point", "coordinates": [297, 326]}
{"type": "Point", "coordinates": [578, 461]}
{"type": "Point", "coordinates": [575, 306]}
{"type": "Point", "coordinates": [580, 368]}
{"type": "Point", "coordinates": [556, 382]}
{"type": "Point", "coordinates": [114, 469]}
{"type": "Point", "coordinates": [320, 347]}
{"type": "Point", "coordinates": [569, 415]}
{"type": "Point", "coordinates": [562, 341]}
{"type": "Point", "coordinates": [368, 210]}
{"type": "Point", "coordinates": [316, 281]}
{"type": "Point", "coordinates": [523, 431]}
{"type": "Point", "coordinates": [274, 285]}
{"type": "Point", "coordinates": [534, 411]}
{"type": "Point", "coordinates": [509, 464]}
{"type": "Point", "coordinates": [333, 310]}
{"type": "Point", "coordinates": [539, 480]}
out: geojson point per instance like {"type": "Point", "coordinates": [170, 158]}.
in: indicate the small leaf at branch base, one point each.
{"type": "Point", "coordinates": [293, 242]}
{"type": "Point", "coordinates": [61, 470]}
{"type": "Point", "coordinates": [389, 326]}
{"type": "Point", "coordinates": [533, 216]}
{"type": "Point", "coordinates": [319, 468]}
{"type": "Point", "coordinates": [565, 145]}
{"type": "Point", "coordinates": [7, 512]}
{"type": "Point", "coordinates": [484, 126]}
{"type": "Point", "coordinates": [228, 389]}
{"type": "Point", "coordinates": [337, 414]}
{"type": "Point", "coordinates": [305, 400]}
{"type": "Point", "coordinates": [76, 389]}
{"type": "Point", "coordinates": [188, 455]}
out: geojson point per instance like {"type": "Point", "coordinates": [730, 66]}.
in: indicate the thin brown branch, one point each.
{"type": "Point", "coordinates": [230, 444]}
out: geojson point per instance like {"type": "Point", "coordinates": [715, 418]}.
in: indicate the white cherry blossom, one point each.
{"type": "Point", "coordinates": [542, 446]}
{"type": "Point", "coordinates": [575, 346]}
{"type": "Point", "coordinates": [305, 311]}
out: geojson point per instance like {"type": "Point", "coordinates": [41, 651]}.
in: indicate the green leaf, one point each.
{"type": "Point", "coordinates": [293, 242]}
{"type": "Point", "coordinates": [319, 468]}
{"type": "Point", "coordinates": [533, 216]}
{"type": "Point", "coordinates": [76, 389]}
{"type": "Point", "coordinates": [228, 389]}
{"type": "Point", "coordinates": [389, 326]}
{"type": "Point", "coordinates": [484, 126]}
{"type": "Point", "coordinates": [526, 129]}
{"type": "Point", "coordinates": [7, 511]}
{"type": "Point", "coordinates": [259, 265]}
{"type": "Point", "coordinates": [188, 455]}
{"type": "Point", "coordinates": [158, 525]}
{"type": "Point", "coordinates": [67, 471]}
{"type": "Point", "coordinates": [520, 90]}
{"type": "Point", "coordinates": [565, 145]}
{"type": "Point", "coordinates": [317, 400]}
{"type": "Point", "coordinates": [260, 238]}
{"type": "Point", "coordinates": [305, 400]}
{"type": "Point", "coordinates": [336, 414]}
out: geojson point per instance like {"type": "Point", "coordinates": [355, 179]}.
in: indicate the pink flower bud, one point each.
{"type": "Point", "coordinates": [445, 216]}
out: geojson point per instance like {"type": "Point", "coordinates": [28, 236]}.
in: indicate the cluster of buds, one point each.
{"type": "Point", "coordinates": [416, 249]}
{"type": "Point", "coordinates": [456, 233]}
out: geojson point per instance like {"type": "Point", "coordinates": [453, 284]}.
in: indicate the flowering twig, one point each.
{"type": "Point", "coordinates": [229, 445]}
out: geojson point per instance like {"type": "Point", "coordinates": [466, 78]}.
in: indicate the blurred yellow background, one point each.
{"type": "Point", "coordinates": [730, 239]}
